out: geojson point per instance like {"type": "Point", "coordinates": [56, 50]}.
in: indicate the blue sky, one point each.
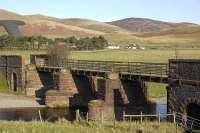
{"type": "Point", "coordinates": [108, 10]}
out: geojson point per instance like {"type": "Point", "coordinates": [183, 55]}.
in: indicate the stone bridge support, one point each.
{"type": "Point", "coordinates": [183, 91]}
{"type": "Point", "coordinates": [13, 68]}
{"type": "Point", "coordinates": [115, 94]}
{"type": "Point", "coordinates": [180, 97]}
{"type": "Point", "coordinates": [64, 89]}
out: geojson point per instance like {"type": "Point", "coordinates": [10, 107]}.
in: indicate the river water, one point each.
{"type": "Point", "coordinates": [28, 114]}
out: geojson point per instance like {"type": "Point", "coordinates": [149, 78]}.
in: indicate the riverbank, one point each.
{"type": "Point", "coordinates": [64, 126]}
{"type": "Point", "coordinates": [13, 101]}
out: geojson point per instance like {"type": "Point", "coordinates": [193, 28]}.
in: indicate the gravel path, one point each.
{"type": "Point", "coordinates": [13, 101]}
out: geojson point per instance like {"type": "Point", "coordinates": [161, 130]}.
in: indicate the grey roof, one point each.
{"type": "Point", "coordinates": [12, 27]}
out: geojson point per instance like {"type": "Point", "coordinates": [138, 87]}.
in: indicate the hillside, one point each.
{"type": "Point", "coordinates": [139, 25]}
{"type": "Point", "coordinates": [54, 29]}
{"type": "Point", "coordinates": [47, 26]}
{"type": "Point", "coordinates": [10, 15]}
{"type": "Point", "coordinates": [93, 25]}
{"type": "Point", "coordinates": [132, 30]}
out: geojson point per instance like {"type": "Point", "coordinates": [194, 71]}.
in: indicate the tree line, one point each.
{"type": "Point", "coordinates": [43, 43]}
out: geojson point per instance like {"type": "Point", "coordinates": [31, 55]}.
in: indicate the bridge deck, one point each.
{"type": "Point", "coordinates": [154, 72]}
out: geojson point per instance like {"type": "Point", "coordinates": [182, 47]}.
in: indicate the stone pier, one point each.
{"type": "Point", "coordinates": [64, 89]}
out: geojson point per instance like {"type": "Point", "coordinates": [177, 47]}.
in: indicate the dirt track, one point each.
{"type": "Point", "coordinates": [13, 101]}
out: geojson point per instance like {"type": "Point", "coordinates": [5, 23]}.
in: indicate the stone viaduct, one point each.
{"type": "Point", "coordinates": [109, 87]}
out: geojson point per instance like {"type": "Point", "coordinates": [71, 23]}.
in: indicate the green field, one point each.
{"type": "Point", "coordinates": [153, 56]}
{"type": "Point", "coordinates": [156, 90]}
{"type": "Point", "coordinates": [84, 127]}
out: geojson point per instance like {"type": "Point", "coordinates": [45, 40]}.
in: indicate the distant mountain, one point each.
{"type": "Point", "coordinates": [93, 25]}
{"type": "Point", "coordinates": [140, 25]}
{"type": "Point", "coordinates": [130, 30]}
{"type": "Point", "coordinates": [47, 26]}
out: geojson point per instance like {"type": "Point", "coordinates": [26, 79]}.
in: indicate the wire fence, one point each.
{"type": "Point", "coordinates": [187, 123]}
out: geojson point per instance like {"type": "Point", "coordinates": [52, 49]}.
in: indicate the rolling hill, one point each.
{"type": "Point", "coordinates": [94, 25]}
{"type": "Point", "coordinates": [140, 25]}
{"type": "Point", "coordinates": [147, 32]}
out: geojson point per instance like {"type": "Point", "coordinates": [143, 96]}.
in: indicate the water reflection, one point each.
{"type": "Point", "coordinates": [28, 114]}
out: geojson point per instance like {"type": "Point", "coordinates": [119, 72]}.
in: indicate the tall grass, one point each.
{"type": "Point", "coordinates": [84, 127]}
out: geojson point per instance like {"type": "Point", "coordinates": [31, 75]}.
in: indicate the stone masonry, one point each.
{"type": "Point", "coordinates": [13, 68]}
{"type": "Point", "coordinates": [184, 81]}
{"type": "Point", "coordinates": [64, 89]}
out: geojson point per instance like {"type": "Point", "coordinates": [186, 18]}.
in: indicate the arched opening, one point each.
{"type": "Point", "coordinates": [193, 110]}
{"type": "Point", "coordinates": [193, 114]}
{"type": "Point", "coordinates": [14, 82]}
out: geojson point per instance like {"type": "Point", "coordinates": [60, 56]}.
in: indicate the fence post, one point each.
{"type": "Point", "coordinates": [114, 122]}
{"type": "Point", "coordinates": [159, 117]}
{"type": "Point", "coordinates": [123, 115]}
{"type": "Point", "coordinates": [87, 117]}
{"type": "Point", "coordinates": [77, 115]}
{"type": "Point", "coordinates": [141, 117]}
{"type": "Point", "coordinates": [174, 117]}
{"type": "Point", "coordinates": [40, 115]}
{"type": "Point", "coordinates": [101, 117]}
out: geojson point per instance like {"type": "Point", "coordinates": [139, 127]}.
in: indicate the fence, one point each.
{"type": "Point", "coordinates": [141, 117]}
{"type": "Point", "coordinates": [139, 68]}
{"type": "Point", "coordinates": [185, 122]}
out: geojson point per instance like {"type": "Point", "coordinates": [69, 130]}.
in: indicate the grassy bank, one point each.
{"type": "Point", "coordinates": [68, 127]}
{"type": "Point", "coordinates": [4, 88]}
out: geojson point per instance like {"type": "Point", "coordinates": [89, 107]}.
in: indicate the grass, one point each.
{"type": "Point", "coordinates": [4, 88]}
{"type": "Point", "coordinates": [63, 126]}
{"type": "Point", "coordinates": [155, 56]}
{"type": "Point", "coordinates": [156, 90]}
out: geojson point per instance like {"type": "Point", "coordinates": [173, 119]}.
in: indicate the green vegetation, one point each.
{"type": "Point", "coordinates": [156, 90]}
{"type": "Point", "coordinates": [4, 88]}
{"type": "Point", "coordinates": [155, 56]}
{"type": "Point", "coordinates": [93, 43]}
{"type": "Point", "coordinates": [63, 126]}
{"type": "Point", "coordinates": [2, 31]}
{"type": "Point", "coordinates": [41, 43]}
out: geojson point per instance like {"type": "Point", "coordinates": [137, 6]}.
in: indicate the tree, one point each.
{"type": "Point", "coordinates": [58, 54]}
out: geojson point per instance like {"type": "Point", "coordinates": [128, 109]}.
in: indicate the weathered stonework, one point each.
{"type": "Point", "coordinates": [37, 83]}
{"type": "Point", "coordinates": [56, 98]}
{"type": "Point", "coordinates": [183, 89]}
{"type": "Point", "coordinates": [64, 89]}
{"type": "Point", "coordinates": [13, 68]}
{"type": "Point", "coordinates": [181, 96]}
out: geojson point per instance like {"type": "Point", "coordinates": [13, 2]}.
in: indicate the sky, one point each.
{"type": "Point", "coordinates": [109, 10]}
